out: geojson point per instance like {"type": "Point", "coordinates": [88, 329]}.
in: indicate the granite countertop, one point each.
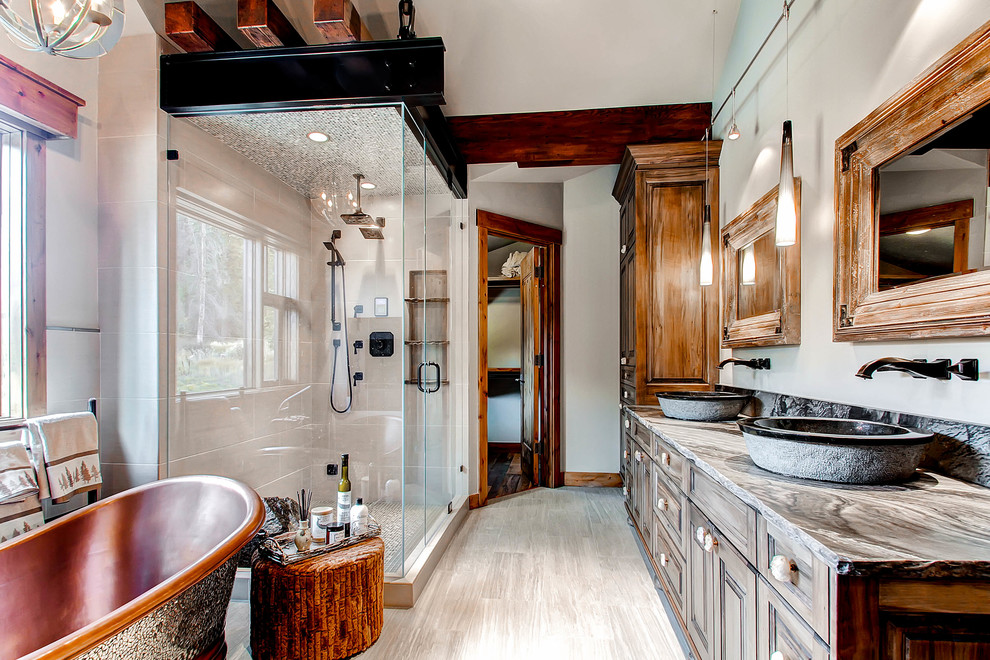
{"type": "Point", "coordinates": [930, 526]}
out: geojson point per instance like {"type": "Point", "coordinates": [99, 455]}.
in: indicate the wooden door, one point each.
{"type": "Point", "coordinates": [736, 604]}
{"type": "Point", "coordinates": [700, 600]}
{"type": "Point", "coordinates": [531, 376]}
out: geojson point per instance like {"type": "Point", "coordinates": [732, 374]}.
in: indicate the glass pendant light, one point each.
{"type": "Point", "coordinates": [748, 276]}
{"type": "Point", "coordinates": [786, 229]}
{"type": "Point", "coordinates": [734, 128]}
{"type": "Point", "coordinates": [79, 29]}
{"type": "Point", "coordinates": [707, 268]}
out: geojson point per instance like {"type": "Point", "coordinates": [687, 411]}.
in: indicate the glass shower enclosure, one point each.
{"type": "Point", "coordinates": [313, 313]}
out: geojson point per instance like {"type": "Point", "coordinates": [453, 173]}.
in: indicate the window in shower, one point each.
{"type": "Point", "coordinates": [233, 285]}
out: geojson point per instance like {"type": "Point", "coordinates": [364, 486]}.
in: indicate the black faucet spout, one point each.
{"type": "Point", "coordinates": [937, 369]}
{"type": "Point", "coordinates": [755, 363]}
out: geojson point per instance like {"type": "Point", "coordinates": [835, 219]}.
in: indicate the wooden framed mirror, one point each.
{"type": "Point", "coordinates": [912, 232]}
{"type": "Point", "coordinates": [761, 283]}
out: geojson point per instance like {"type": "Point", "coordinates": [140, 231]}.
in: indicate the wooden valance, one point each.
{"type": "Point", "coordinates": [38, 102]}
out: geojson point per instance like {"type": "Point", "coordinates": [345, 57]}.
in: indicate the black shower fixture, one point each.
{"type": "Point", "coordinates": [407, 20]}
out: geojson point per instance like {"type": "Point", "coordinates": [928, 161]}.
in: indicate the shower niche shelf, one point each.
{"type": "Point", "coordinates": [426, 334]}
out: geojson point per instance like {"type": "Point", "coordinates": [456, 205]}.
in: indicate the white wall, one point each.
{"type": "Point", "coordinates": [590, 323]}
{"type": "Point", "coordinates": [846, 58]}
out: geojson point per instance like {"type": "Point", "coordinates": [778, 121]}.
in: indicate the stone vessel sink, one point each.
{"type": "Point", "coordinates": [838, 450]}
{"type": "Point", "coordinates": [702, 406]}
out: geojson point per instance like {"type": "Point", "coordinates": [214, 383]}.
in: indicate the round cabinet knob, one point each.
{"type": "Point", "coordinates": [625, 455]}
{"type": "Point", "coordinates": [783, 568]}
{"type": "Point", "coordinates": [639, 456]}
{"type": "Point", "coordinates": [627, 423]}
{"type": "Point", "coordinates": [777, 655]}
{"type": "Point", "coordinates": [625, 491]}
{"type": "Point", "coordinates": [622, 250]}
{"type": "Point", "coordinates": [663, 559]}
{"type": "Point", "coordinates": [662, 504]}
{"type": "Point", "coordinates": [622, 360]}
{"type": "Point", "coordinates": [699, 535]}
{"type": "Point", "coordinates": [665, 458]}
{"type": "Point", "coordinates": [710, 543]}
{"type": "Point", "coordinates": [625, 394]}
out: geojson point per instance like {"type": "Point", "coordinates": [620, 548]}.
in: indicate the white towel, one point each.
{"type": "Point", "coordinates": [20, 517]}
{"type": "Point", "coordinates": [17, 475]}
{"type": "Point", "coordinates": [72, 453]}
{"type": "Point", "coordinates": [513, 265]}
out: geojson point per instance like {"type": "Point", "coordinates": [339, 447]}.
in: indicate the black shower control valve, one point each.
{"type": "Point", "coordinates": [358, 345]}
{"type": "Point", "coordinates": [358, 375]}
{"type": "Point", "coordinates": [331, 469]}
{"type": "Point", "coordinates": [336, 343]}
{"type": "Point", "coordinates": [381, 344]}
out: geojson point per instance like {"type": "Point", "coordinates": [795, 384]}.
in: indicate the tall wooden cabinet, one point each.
{"type": "Point", "coordinates": [668, 323]}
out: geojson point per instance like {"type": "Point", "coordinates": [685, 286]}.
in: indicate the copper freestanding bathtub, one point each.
{"type": "Point", "coordinates": [143, 575]}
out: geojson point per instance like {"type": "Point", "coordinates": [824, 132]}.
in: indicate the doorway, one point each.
{"type": "Point", "coordinates": [519, 356]}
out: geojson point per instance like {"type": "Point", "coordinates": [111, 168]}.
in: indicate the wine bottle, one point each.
{"type": "Point", "coordinates": [344, 497]}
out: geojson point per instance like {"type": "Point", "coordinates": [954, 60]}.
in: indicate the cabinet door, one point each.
{"type": "Point", "coordinates": [646, 499]}
{"type": "Point", "coordinates": [736, 604]}
{"type": "Point", "coordinates": [681, 315]}
{"type": "Point", "coordinates": [781, 632]}
{"type": "Point", "coordinates": [627, 310]}
{"type": "Point", "coordinates": [700, 597]}
{"type": "Point", "coordinates": [934, 637]}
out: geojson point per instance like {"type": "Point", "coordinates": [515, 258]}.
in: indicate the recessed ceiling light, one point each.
{"type": "Point", "coordinates": [368, 185]}
{"type": "Point", "coordinates": [316, 136]}
{"type": "Point", "coordinates": [917, 232]}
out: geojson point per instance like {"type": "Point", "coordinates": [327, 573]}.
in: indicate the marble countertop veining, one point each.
{"type": "Point", "coordinates": [931, 526]}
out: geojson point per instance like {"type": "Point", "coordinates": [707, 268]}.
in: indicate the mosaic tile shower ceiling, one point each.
{"type": "Point", "coordinates": [374, 141]}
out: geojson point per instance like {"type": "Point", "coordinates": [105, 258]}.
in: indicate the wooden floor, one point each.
{"type": "Point", "coordinates": [505, 475]}
{"type": "Point", "coordinates": [544, 574]}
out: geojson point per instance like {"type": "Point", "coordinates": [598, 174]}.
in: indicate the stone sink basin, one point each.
{"type": "Point", "coordinates": [702, 406]}
{"type": "Point", "coordinates": [839, 450]}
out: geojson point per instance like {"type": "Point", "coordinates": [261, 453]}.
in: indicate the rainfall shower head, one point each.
{"type": "Point", "coordinates": [358, 217]}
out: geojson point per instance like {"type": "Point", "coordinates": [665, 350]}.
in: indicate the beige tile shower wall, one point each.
{"type": "Point", "coordinates": [263, 436]}
{"type": "Point", "coordinates": [131, 266]}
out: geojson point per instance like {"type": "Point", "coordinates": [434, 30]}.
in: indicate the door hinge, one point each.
{"type": "Point", "coordinates": [538, 272]}
{"type": "Point", "coordinates": [725, 333]}
{"type": "Point", "coordinates": [538, 361]}
{"type": "Point", "coordinates": [538, 448]}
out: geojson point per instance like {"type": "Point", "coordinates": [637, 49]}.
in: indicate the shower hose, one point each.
{"type": "Point", "coordinates": [337, 340]}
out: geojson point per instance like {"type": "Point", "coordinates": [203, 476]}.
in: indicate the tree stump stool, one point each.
{"type": "Point", "coordinates": [327, 607]}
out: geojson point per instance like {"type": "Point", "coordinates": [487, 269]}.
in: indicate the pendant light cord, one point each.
{"type": "Point", "coordinates": [787, 59]}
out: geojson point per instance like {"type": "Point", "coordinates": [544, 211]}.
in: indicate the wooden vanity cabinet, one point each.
{"type": "Point", "coordinates": [668, 322]}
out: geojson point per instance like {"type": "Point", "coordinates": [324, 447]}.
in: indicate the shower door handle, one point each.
{"type": "Point", "coordinates": [419, 377]}
{"type": "Point", "coordinates": [437, 388]}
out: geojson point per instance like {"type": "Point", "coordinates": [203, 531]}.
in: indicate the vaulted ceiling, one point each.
{"type": "Point", "coordinates": [523, 56]}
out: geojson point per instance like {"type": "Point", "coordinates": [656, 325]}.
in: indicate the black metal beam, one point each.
{"type": "Point", "coordinates": [409, 71]}
{"type": "Point", "coordinates": [309, 78]}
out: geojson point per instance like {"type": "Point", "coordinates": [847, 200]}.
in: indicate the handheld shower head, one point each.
{"type": "Point", "coordinates": [358, 217]}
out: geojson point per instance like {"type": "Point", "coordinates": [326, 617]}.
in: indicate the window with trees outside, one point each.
{"type": "Point", "coordinates": [13, 386]}
{"type": "Point", "coordinates": [236, 304]}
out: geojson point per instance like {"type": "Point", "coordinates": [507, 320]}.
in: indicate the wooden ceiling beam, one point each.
{"type": "Point", "coordinates": [575, 137]}
{"type": "Point", "coordinates": [265, 25]}
{"type": "Point", "coordinates": [338, 21]}
{"type": "Point", "coordinates": [193, 30]}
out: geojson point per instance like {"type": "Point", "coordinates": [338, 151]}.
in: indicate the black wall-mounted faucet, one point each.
{"type": "Point", "coordinates": [942, 369]}
{"type": "Point", "coordinates": [756, 363]}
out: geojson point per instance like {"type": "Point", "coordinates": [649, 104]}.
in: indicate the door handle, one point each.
{"type": "Point", "coordinates": [419, 377]}
{"type": "Point", "coordinates": [437, 388]}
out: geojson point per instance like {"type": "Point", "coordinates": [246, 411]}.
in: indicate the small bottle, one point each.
{"type": "Point", "coordinates": [359, 518]}
{"type": "Point", "coordinates": [303, 538]}
{"type": "Point", "coordinates": [344, 497]}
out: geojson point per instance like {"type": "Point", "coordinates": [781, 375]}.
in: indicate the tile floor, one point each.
{"type": "Point", "coordinates": [544, 574]}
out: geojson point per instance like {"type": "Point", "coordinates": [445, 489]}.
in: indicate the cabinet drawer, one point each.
{"type": "Point", "coordinates": [806, 586]}
{"type": "Point", "coordinates": [779, 630]}
{"type": "Point", "coordinates": [669, 504]}
{"type": "Point", "coordinates": [670, 461]}
{"type": "Point", "coordinates": [627, 374]}
{"type": "Point", "coordinates": [733, 518]}
{"type": "Point", "coordinates": [627, 395]}
{"type": "Point", "coordinates": [669, 562]}
{"type": "Point", "coordinates": [644, 436]}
